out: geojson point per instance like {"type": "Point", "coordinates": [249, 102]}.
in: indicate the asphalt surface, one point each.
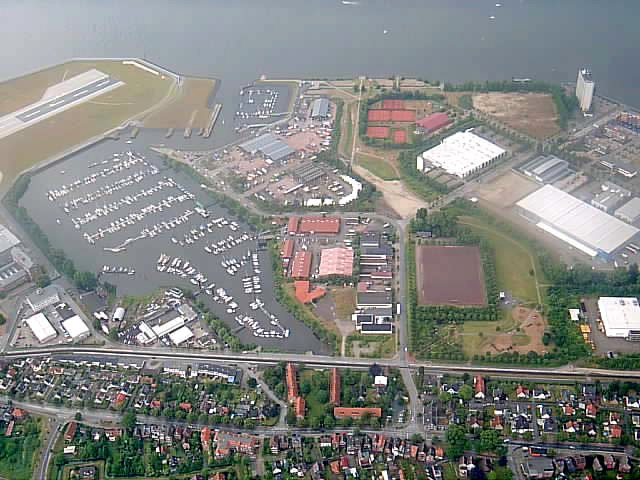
{"type": "Point", "coordinates": [61, 102]}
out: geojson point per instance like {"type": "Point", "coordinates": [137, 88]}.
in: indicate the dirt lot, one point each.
{"type": "Point", "coordinates": [520, 331]}
{"type": "Point", "coordinates": [193, 97]}
{"type": "Point", "coordinates": [531, 113]}
{"type": "Point", "coordinates": [450, 276]}
{"type": "Point", "coordinates": [506, 189]}
{"type": "Point", "coordinates": [56, 134]}
{"type": "Point", "coordinates": [395, 193]}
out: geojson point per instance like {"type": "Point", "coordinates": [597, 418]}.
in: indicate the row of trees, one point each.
{"type": "Point", "coordinates": [84, 280]}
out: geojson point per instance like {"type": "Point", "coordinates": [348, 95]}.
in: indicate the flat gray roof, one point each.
{"type": "Point", "coordinates": [630, 210]}
{"type": "Point", "coordinates": [7, 239]}
{"type": "Point", "coordinates": [577, 219]}
{"type": "Point", "coordinates": [320, 108]}
{"type": "Point", "coordinates": [269, 145]}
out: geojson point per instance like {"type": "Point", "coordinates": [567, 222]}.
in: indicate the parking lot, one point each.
{"type": "Point", "coordinates": [603, 343]}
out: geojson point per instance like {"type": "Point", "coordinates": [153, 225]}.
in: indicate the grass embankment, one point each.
{"type": "Point", "coordinates": [142, 90]}
{"type": "Point", "coordinates": [379, 167]}
{"type": "Point", "coordinates": [476, 334]}
{"type": "Point", "coordinates": [345, 300]}
{"type": "Point", "coordinates": [193, 99]}
{"type": "Point", "coordinates": [515, 262]}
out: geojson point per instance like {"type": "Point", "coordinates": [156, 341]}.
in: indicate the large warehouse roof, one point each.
{"type": "Point", "coordinates": [41, 327]}
{"type": "Point", "coordinates": [462, 153]}
{"type": "Point", "coordinates": [619, 315]}
{"type": "Point", "coordinates": [75, 327]}
{"type": "Point", "coordinates": [336, 261]}
{"type": "Point", "coordinates": [269, 145]}
{"type": "Point", "coordinates": [320, 108]}
{"type": "Point", "coordinates": [630, 211]}
{"type": "Point", "coordinates": [558, 211]}
{"type": "Point", "coordinates": [181, 335]}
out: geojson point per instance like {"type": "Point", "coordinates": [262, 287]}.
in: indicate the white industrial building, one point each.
{"type": "Point", "coordinates": [575, 222]}
{"type": "Point", "coordinates": [585, 88]}
{"type": "Point", "coordinates": [180, 335]}
{"type": "Point", "coordinates": [168, 327]}
{"type": "Point", "coordinates": [41, 327]}
{"type": "Point", "coordinates": [75, 327]}
{"type": "Point", "coordinates": [461, 154]}
{"type": "Point", "coordinates": [620, 317]}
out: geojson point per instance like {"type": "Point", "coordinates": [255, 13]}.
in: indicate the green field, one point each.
{"type": "Point", "coordinates": [380, 168]}
{"type": "Point", "coordinates": [514, 261]}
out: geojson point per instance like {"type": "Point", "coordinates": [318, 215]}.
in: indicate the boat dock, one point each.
{"type": "Point", "coordinates": [213, 119]}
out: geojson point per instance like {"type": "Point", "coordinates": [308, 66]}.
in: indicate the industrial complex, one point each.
{"type": "Point", "coordinates": [462, 154]}
{"type": "Point", "coordinates": [620, 317]}
{"type": "Point", "coordinates": [575, 222]}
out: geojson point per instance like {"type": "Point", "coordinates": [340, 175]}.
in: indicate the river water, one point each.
{"type": "Point", "coordinates": [239, 40]}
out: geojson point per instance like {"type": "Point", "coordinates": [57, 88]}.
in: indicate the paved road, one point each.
{"type": "Point", "coordinates": [41, 472]}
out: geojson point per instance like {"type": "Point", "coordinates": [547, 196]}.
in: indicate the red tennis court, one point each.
{"type": "Point", "coordinates": [390, 104]}
{"type": "Point", "coordinates": [399, 136]}
{"type": "Point", "coordinates": [378, 132]}
{"type": "Point", "coordinates": [379, 115]}
{"type": "Point", "coordinates": [403, 115]}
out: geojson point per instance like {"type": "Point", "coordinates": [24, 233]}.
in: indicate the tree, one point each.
{"type": "Point", "coordinates": [78, 416]}
{"type": "Point", "coordinates": [457, 440]}
{"type": "Point", "coordinates": [252, 383]}
{"type": "Point", "coordinates": [417, 439]}
{"type": "Point", "coordinates": [129, 420]}
{"type": "Point", "coordinates": [490, 440]}
{"type": "Point", "coordinates": [466, 392]}
{"type": "Point", "coordinates": [85, 280]}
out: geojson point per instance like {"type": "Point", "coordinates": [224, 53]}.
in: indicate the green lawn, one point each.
{"type": "Point", "coordinates": [348, 130]}
{"type": "Point", "coordinates": [377, 166]}
{"type": "Point", "coordinates": [513, 261]}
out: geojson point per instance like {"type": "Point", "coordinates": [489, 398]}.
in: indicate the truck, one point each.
{"type": "Point", "coordinates": [398, 308]}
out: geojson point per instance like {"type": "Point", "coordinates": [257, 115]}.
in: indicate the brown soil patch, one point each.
{"type": "Point", "coordinates": [450, 276]}
{"type": "Point", "coordinates": [192, 97]}
{"type": "Point", "coordinates": [529, 339]}
{"type": "Point", "coordinates": [395, 193]}
{"type": "Point", "coordinates": [505, 190]}
{"type": "Point", "coordinates": [531, 113]}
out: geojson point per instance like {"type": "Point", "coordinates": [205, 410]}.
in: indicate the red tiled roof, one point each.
{"type": "Point", "coordinates": [334, 387]}
{"type": "Point", "coordinates": [292, 227]}
{"type": "Point", "coordinates": [304, 294]}
{"type": "Point", "coordinates": [300, 407]}
{"type": "Point", "coordinates": [287, 248]}
{"type": "Point", "coordinates": [301, 265]}
{"type": "Point", "coordinates": [434, 122]}
{"type": "Point", "coordinates": [292, 382]}
{"type": "Point", "coordinates": [336, 261]}
{"type": "Point", "coordinates": [319, 225]}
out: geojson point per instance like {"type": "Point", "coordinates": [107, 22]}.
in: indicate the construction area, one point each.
{"type": "Point", "coordinates": [533, 114]}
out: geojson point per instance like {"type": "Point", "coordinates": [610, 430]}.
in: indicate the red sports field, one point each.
{"type": "Point", "coordinates": [399, 136]}
{"type": "Point", "coordinates": [390, 104]}
{"type": "Point", "coordinates": [450, 276]}
{"type": "Point", "coordinates": [378, 132]}
{"type": "Point", "coordinates": [403, 115]}
{"type": "Point", "coordinates": [379, 115]}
